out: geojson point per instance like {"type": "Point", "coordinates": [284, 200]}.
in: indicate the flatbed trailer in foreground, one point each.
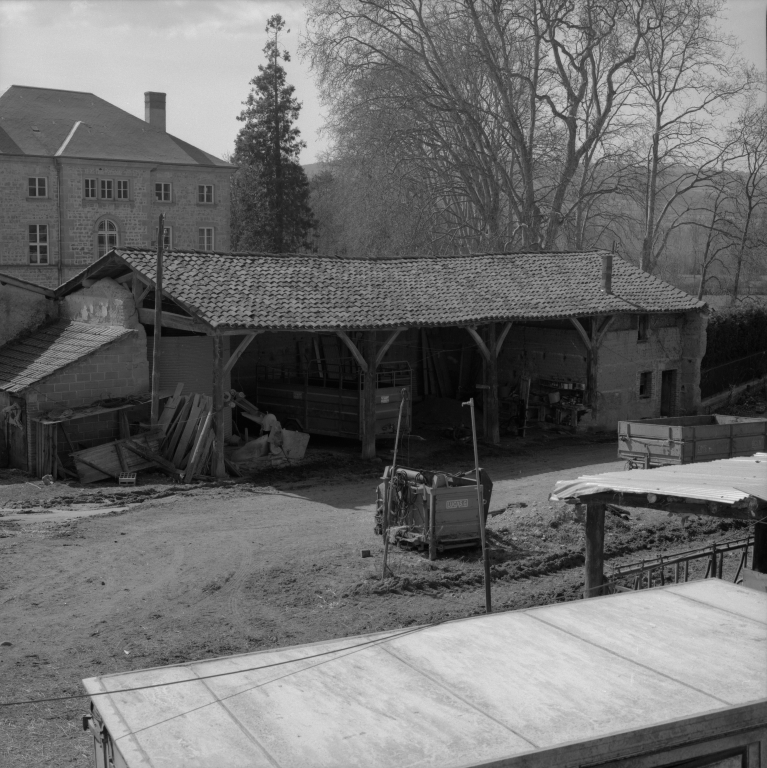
{"type": "Point", "coordinates": [669, 676]}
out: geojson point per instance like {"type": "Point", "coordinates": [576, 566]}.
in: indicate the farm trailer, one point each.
{"type": "Point", "coordinates": [669, 676]}
{"type": "Point", "coordinates": [689, 439]}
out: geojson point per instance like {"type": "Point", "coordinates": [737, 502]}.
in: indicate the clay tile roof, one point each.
{"type": "Point", "coordinates": [38, 121]}
{"type": "Point", "coordinates": [49, 349]}
{"type": "Point", "coordinates": [289, 292]}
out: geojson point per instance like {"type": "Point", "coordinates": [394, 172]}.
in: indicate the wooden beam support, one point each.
{"type": "Point", "coordinates": [368, 398]}
{"type": "Point", "coordinates": [179, 322]}
{"type": "Point", "coordinates": [235, 356]}
{"type": "Point", "coordinates": [490, 396]}
{"type": "Point", "coordinates": [385, 348]}
{"type": "Point", "coordinates": [358, 356]}
{"type": "Point", "coordinates": [595, 549]}
{"type": "Point", "coordinates": [478, 340]}
{"type": "Point", "coordinates": [502, 338]}
{"type": "Point", "coordinates": [218, 468]}
{"type": "Point", "coordinates": [604, 328]}
{"type": "Point", "coordinates": [126, 278]}
{"type": "Point", "coordinates": [581, 332]}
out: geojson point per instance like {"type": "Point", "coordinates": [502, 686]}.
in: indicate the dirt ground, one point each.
{"type": "Point", "coordinates": [98, 580]}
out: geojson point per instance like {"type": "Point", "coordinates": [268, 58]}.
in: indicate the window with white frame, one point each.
{"type": "Point", "coordinates": [107, 189]}
{"type": "Point", "coordinates": [38, 244]}
{"type": "Point", "coordinates": [162, 191]}
{"type": "Point", "coordinates": [205, 239]}
{"type": "Point", "coordinates": [122, 189]}
{"type": "Point", "coordinates": [90, 189]}
{"type": "Point", "coordinates": [38, 186]}
{"type": "Point", "coordinates": [205, 193]}
{"type": "Point", "coordinates": [167, 240]}
{"type": "Point", "coordinates": [106, 237]}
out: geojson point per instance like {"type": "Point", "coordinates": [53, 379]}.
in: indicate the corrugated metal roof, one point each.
{"type": "Point", "coordinates": [489, 688]}
{"type": "Point", "coordinates": [30, 359]}
{"type": "Point", "coordinates": [725, 481]}
{"type": "Point", "coordinates": [292, 292]}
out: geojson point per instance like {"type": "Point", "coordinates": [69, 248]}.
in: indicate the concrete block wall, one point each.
{"type": "Point", "coordinates": [135, 218]}
{"type": "Point", "coordinates": [116, 370]}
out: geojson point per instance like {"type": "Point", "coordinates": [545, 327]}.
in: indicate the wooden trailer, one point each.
{"type": "Point", "coordinates": [674, 676]}
{"type": "Point", "coordinates": [689, 439]}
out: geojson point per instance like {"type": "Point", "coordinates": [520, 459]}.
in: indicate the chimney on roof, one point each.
{"type": "Point", "coordinates": [154, 109]}
{"type": "Point", "coordinates": [607, 272]}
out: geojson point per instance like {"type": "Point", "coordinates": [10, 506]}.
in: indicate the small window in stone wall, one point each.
{"type": "Point", "coordinates": [643, 327]}
{"type": "Point", "coordinates": [38, 186]}
{"type": "Point", "coordinates": [205, 239]}
{"type": "Point", "coordinates": [205, 193]}
{"type": "Point", "coordinates": [38, 243]}
{"type": "Point", "coordinates": [645, 385]}
{"type": "Point", "coordinates": [122, 189]}
{"type": "Point", "coordinates": [90, 189]}
{"type": "Point", "coordinates": [162, 192]}
{"type": "Point", "coordinates": [107, 189]}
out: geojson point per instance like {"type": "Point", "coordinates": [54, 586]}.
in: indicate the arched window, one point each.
{"type": "Point", "coordinates": [106, 237]}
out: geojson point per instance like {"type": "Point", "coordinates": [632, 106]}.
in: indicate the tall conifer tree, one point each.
{"type": "Point", "coordinates": [270, 191]}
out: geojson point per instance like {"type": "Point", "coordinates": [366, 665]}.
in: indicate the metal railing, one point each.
{"type": "Point", "coordinates": [676, 568]}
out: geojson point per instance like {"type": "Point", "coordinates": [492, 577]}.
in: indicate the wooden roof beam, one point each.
{"type": "Point", "coordinates": [356, 354]}
{"type": "Point", "coordinates": [178, 322]}
{"type": "Point", "coordinates": [235, 356]}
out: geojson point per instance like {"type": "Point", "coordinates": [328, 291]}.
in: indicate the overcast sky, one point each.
{"type": "Point", "coordinates": [201, 53]}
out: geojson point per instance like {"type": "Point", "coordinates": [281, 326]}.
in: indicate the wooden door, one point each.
{"type": "Point", "coordinates": [668, 393]}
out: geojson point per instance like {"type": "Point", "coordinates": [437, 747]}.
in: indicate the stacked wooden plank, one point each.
{"type": "Point", "coordinates": [187, 421]}
{"type": "Point", "coordinates": [110, 459]}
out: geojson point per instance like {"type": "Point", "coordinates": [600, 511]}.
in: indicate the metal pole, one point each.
{"type": "Point", "coordinates": [387, 499]}
{"type": "Point", "coordinates": [155, 416]}
{"type": "Point", "coordinates": [480, 511]}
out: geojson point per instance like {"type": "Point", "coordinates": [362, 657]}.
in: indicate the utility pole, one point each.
{"type": "Point", "coordinates": [157, 325]}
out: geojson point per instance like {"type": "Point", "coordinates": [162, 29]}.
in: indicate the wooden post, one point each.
{"type": "Point", "coordinates": [219, 470]}
{"type": "Point", "coordinates": [595, 543]}
{"type": "Point", "coordinates": [368, 401]}
{"type": "Point", "coordinates": [155, 413]}
{"type": "Point", "coordinates": [759, 558]}
{"type": "Point", "coordinates": [492, 424]}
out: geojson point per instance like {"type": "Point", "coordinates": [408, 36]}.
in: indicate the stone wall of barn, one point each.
{"type": "Point", "coordinates": [628, 365]}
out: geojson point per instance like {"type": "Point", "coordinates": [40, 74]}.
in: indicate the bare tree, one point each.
{"type": "Point", "coordinates": [750, 182]}
{"type": "Point", "coordinates": [505, 100]}
{"type": "Point", "coordinates": [688, 75]}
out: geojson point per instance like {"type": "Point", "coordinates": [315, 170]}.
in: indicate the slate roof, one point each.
{"type": "Point", "coordinates": [37, 121]}
{"type": "Point", "coordinates": [291, 292]}
{"type": "Point", "coordinates": [49, 349]}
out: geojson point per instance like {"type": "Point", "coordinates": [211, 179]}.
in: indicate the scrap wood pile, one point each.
{"type": "Point", "coordinates": [182, 442]}
{"type": "Point", "coordinates": [181, 445]}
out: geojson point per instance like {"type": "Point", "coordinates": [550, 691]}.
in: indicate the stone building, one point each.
{"type": "Point", "coordinates": [79, 176]}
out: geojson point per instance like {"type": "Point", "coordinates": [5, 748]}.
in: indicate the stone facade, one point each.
{"type": "Point", "coordinates": [630, 380]}
{"type": "Point", "coordinates": [73, 220]}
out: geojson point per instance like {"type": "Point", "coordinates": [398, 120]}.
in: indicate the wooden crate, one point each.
{"type": "Point", "coordinates": [689, 439]}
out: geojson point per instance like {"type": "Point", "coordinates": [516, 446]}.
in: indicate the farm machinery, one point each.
{"type": "Point", "coordinates": [432, 510]}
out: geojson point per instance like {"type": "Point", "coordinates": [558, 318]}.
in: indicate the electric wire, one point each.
{"type": "Point", "coordinates": [351, 648]}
